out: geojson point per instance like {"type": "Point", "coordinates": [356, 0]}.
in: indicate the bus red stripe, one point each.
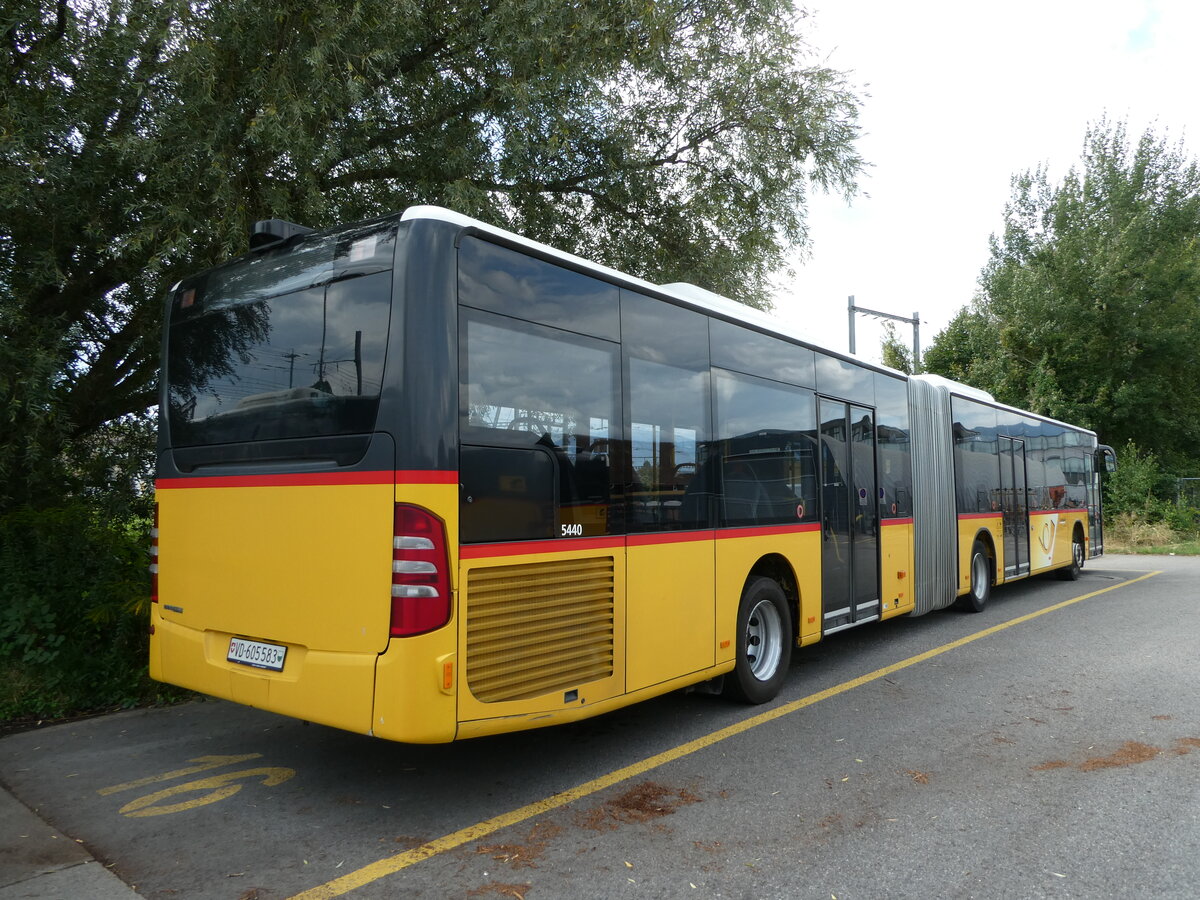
{"type": "Point", "coordinates": [311, 479]}
{"type": "Point", "coordinates": [616, 542]}
{"type": "Point", "coordinates": [527, 548]}
{"type": "Point", "coordinates": [769, 530]}
{"type": "Point", "coordinates": [669, 537]}
{"type": "Point", "coordinates": [426, 476]}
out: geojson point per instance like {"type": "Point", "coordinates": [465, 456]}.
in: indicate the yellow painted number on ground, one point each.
{"type": "Point", "coordinates": [218, 787]}
{"type": "Point", "coordinates": [204, 764]}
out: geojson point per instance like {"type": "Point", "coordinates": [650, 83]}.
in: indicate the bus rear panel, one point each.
{"type": "Point", "coordinates": [285, 563]}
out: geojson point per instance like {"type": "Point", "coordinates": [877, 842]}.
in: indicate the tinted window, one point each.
{"type": "Point", "coordinates": [288, 343]}
{"type": "Point", "coordinates": [666, 350]}
{"type": "Point", "coordinates": [845, 380]}
{"type": "Point", "coordinates": [976, 457]}
{"type": "Point", "coordinates": [507, 494]}
{"type": "Point", "coordinates": [766, 435]}
{"type": "Point", "coordinates": [660, 332]}
{"type": "Point", "coordinates": [554, 396]}
{"type": "Point", "coordinates": [1076, 466]}
{"type": "Point", "coordinates": [505, 281]}
{"type": "Point", "coordinates": [744, 350]}
{"type": "Point", "coordinates": [1047, 466]}
{"type": "Point", "coordinates": [1011, 424]}
{"type": "Point", "coordinates": [668, 446]}
{"type": "Point", "coordinates": [894, 447]}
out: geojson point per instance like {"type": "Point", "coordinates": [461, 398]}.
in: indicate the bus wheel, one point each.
{"type": "Point", "coordinates": [981, 580]}
{"type": "Point", "coordinates": [764, 643]}
{"type": "Point", "coordinates": [1071, 572]}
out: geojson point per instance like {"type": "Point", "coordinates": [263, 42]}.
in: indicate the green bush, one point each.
{"type": "Point", "coordinates": [1183, 520]}
{"type": "Point", "coordinates": [1141, 504]}
{"type": "Point", "coordinates": [1138, 486]}
{"type": "Point", "coordinates": [74, 598]}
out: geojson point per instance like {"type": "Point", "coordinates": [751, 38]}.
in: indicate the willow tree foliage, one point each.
{"type": "Point", "coordinates": [1089, 307]}
{"type": "Point", "coordinates": [677, 139]}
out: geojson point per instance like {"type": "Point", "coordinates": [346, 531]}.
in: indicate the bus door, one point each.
{"type": "Point", "coordinates": [849, 511]}
{"type": "Point", "coordinates": [1014, 505]}
{"type": "Point", "coordinates": [1095, 464]}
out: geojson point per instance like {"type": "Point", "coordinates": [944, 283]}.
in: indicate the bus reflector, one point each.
{"type": "Point", "coordinates": [420, 572]}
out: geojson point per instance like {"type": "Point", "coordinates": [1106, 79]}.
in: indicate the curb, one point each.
{"type": "Point", "coordinates": [38, 862]}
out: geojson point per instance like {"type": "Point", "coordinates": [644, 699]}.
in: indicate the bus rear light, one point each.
{"type": "Point", "coordinates": [410, 542]}
{"type": "Point", "coordinates": [154, 558]}
{"type": "Point", "coordinates": [420, 572]}
{"type": "Point", "coordinates": [410, 591]}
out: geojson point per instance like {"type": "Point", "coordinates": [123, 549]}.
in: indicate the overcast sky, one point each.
{"type": "Point", "coordinates": [958, 98]}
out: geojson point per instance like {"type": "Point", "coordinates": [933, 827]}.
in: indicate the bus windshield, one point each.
{"type": "Point", "coordinates": [286, 343]}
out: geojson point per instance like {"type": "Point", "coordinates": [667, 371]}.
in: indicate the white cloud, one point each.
{"type": "Point", "coordinates": [962, 96]}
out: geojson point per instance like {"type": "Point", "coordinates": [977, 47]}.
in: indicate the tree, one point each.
{"type": "Point", "coordinates": [1089, 306]}
{"type": "Point", "coordinates": [965, 350]}
{"type": "Point", "coordinates": [139, 140]}
{"type": "Point", "coordinates": [893, 353]}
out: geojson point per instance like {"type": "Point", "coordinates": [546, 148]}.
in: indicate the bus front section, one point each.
{"type": "Point", "coordinates": [303, 553]}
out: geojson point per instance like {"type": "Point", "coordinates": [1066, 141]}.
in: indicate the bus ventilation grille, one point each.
{"type": "Point", "coordinates": [539, 627]}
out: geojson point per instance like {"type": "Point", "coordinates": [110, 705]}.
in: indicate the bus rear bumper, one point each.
{"type": "Point", "coordinates": [328, 688]}
{"type": "Point", "coordinates": [416, 687]}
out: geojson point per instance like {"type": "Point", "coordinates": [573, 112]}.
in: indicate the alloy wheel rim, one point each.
{"type": "Point", "coordinates": [979, 575]}
{"type": "Point", "coordinates": [764, 639]}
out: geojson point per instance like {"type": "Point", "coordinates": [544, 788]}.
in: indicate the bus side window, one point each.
{"type": "Point", "coordinates": [537, 404]}
{"type": "Point", "coordinates": [667, 439]}
{"type": "Point", "coordinates": [668, 445]}
{"type": "Point", "coordinates": [976, 456]}
{"type": "Point", "coordinates": [507, 494]}
{"type": "Point", "coordinates": [765, 442]}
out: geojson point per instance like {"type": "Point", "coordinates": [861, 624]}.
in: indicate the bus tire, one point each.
{"type": "Point", "coordinates": [1072, 572]}
{"type": "Point", "coordinates": [764, 643]}
{"type": "Point", "coordinates": [981, 580]}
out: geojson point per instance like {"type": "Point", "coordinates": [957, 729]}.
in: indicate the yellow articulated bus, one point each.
{"type": "Point", "coordinates": [424, 479]}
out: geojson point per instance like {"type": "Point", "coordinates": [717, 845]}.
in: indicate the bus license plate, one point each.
{"type": "Point", "coordinates": [256, 654]}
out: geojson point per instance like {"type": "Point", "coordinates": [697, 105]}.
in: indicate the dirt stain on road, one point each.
{"type": "Point", "coordinates": [526, 855]}
{"type": "Point", "coordinates": [641, 803]}
{"type": "Point", "coordinates": [1131, 753]}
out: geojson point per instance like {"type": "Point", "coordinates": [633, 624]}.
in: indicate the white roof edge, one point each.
{"type": "Point", "coordinates": [711, 300]}
{"type": "Point", "coordinates": [448, 215]}
{"type": "Point", "coordinates": [956, 387]}
{"type": "Point", "coordinates": [440, 213]}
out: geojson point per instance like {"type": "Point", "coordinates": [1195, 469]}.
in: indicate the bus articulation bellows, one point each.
{"type": "Point", "coordinates": [424, 479]}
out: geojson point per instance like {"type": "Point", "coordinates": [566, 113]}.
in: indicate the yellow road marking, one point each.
{"type": "Point", "coordinates": [392, 864]}
{"type": "Point", "coordinates": [218, 786]}
{"type": "Point", "coordinates": [206, 763]}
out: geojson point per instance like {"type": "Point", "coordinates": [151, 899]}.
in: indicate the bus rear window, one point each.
{"type": "Point", "coordinates": [286, 344]}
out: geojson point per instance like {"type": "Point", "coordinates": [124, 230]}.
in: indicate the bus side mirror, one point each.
{"type": "Point", "coordinates": [1106, 459]}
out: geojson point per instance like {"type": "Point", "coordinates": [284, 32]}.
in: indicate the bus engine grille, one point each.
{"type": "Point", "coordinates": [539, 627]}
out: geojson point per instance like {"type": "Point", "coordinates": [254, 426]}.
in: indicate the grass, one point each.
{"type": "Point", "coordinates": [1183, 548]}
{"type": "Point", "coordinates": [1127, 533]}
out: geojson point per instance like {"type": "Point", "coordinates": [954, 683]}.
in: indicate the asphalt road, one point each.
{"type": "Point", "coordinates": [1043, 748]}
